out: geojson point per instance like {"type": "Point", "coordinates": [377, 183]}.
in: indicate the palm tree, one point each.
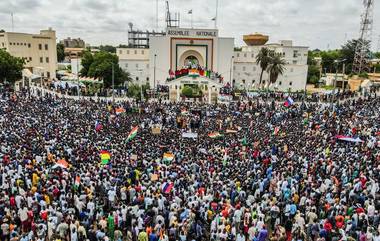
{"type": "Point", "coordinates": [275, 68]}
{"type": "Point", "coordinates": [263, 59]}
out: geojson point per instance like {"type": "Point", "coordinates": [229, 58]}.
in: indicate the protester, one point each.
{"type": "Point", "coordinates": [77, 170]}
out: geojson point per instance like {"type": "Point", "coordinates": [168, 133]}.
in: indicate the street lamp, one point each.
{"type": "Point", "coordinates": [337, 62]}
{"type": "Point", "coordinates": [232, 58]}
{"type": "Point", "coordinates": [154, 73]}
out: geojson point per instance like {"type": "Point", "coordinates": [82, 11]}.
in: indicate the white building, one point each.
{"type": "Point", "coordinates": [38, 50]}
{"type": "Point", "coordinates": [180, 46]}
{"type": "Point", "coordinates": [246, 73]}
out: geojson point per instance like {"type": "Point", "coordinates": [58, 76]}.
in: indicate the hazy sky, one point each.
{"type": "Point", "coordinates": [314, 23]}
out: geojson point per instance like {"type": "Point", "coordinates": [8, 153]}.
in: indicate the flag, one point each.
{"type": "Point", "coordinates": [119, 110]}
{"type": "Point", "coordinates": [168, 157]}
{"type": "Point", "coordinates": [190, 11]}
{"type": "Point", "coordinates": [167, 187]}
{"type": "Point", "coordinates": [276, 130]}
{"type": "Point", "coordinates": [289, 102]}
{"type": "Point", "coordinates": [61, 163]}
{"type": "Point", "coordinates": [77, 181]}
{"type": "Point", "coordinates": [105, 157]}
{"type": "Point", "coordinates": [98, 126]}
{"type": "Point", "coordinates": [184, 111]}
{"type": "Point", "coordinates": [214, 135]}
{"type": "Point", "coordinates": [348, 138]}
{"type": "Point", "coordinates": [244, 141]}
{"type": "Point", "coordinates": [133, 133]}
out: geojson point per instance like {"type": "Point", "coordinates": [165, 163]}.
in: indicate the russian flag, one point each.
{"type": "Point", "coordinates": [98, 126]}
{"type": "Point", "coordinates": [167, 187]}
{"type": "Point", "coordinates": [289, 102]}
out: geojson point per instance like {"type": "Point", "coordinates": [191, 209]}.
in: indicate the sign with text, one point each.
{"type": "Point", "coordinates": [191, 32]}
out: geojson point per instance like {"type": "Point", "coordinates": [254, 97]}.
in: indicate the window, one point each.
{"type": "Point", "coordinates": [30, 58]}
{"type": "Point", "coordinates": [29, 45]}
{"type": "Point", "coordinates": [137, 78]}
{"type": "Point", "coordinates": [127, 51]}
{"type": "Point", "coordinates": [245, 55]}
{"type": "Point", "coordinates": [142, 51]}
{"type": "Point", "coordinates": [120, 51]}
{"type": "Point", "coordinates": [137, 65]}
{"type": "Point", "coordinates": [147, 78]}
{"type": "Point", "coordinates": [41, 60]}
{"type": "Point", "coordinates": [290, 83]}
{"type": "Point", "coordinates": [48, 74]}
{"type": "Point", "coordinates": [24, 44]}
{"type": "Point", "coordinates": [243, 68]}
{"type": "Point", "coordinates": [135, 51]}
{"type": "Point", "coordinates": [40, 46]}
{"type": "Point", "coordinates": [243, 81]}
{"type": "Point", "coordinates": [126, 65]}
{"type": "Point", "coordinates": [294, 61]}
{"type": "Point", "coordinates": [253, 81]}
{"type": "Point", "coordinates": [280, 83]}
{"type": "Point", "coordinates": [253, 55]}
{"type": "Point", "coordinates": [47, 59]}
{"type": "Point", "coordinates": [295, 53]}
{"type": "Point", "coordinates": [254, 68]}
{"type": "Point", "coordinates": [46, 47]}
{"type": "Point", "coordinates": [18, 43]}
{"type": "Point", "coordinates": [238, 55]}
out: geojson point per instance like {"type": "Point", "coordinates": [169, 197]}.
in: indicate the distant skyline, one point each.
{"type": "Point", "coordinates": [318, 24]}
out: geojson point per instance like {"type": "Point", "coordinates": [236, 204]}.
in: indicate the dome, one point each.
{"type": "Point", "coordinates": [255, 39]}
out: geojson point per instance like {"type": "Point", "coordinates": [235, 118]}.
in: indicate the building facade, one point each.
{"type": "Point", "coordinates": [38, 50]}
{"type": "Point", "coordinates": [180, 46]}
{"type": "Point", "coordinates": [73, 43]}
{"type": "Point", "coordinates": [246, 72]}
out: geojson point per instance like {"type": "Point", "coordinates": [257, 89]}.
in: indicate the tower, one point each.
{"type": "Point", "coordinates": [362, 49]}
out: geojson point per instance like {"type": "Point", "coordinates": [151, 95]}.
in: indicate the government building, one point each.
{"type": "Point", "coordinates": [38, 50]}
{"type": "Point", "coordinates": [187, 56]}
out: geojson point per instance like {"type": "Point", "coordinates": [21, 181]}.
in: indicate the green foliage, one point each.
{"type": "Point", "coordinates": [377, 68]}
{"type": "Point", "coordinates": [237, 49]}
{"type": "Point", "coordinates": [328, 58]}
{"type": "Point", "coordinates": [187, 91]}
{"type": "Point", "coordinates": [107, 48]}
{"type": "Point", "coordinates": [10, 67]}
{"type": "Point", "coordinates": [2, 31]}
{"type": "Point", "coordinates": [100, 65]}
{"type": "Point", "coordinates": [263, 59]}
{"type": "Point", "coordinates": [376, 55]}
{"type": "Point", "coordinates": [276, 67]}
{"type": "Point", "coordinates": [134, 90]}
{"type": "Point", "coordinates": [60, 52]}
{"type": "Point", "coordinates": [313, 74]}
{"type": "Point", "coordinates": [363, 75]}
{"type": "Point", "coordinates": [123, 46]}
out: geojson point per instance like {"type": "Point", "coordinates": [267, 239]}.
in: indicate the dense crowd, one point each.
{"type": "Point", "coordinates": [270, 173]}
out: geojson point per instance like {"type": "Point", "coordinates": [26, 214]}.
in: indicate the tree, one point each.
{"type": "Point", "coordinates": [2, 31]}
{"type": "Point", "coordinates": [10, 67]}
{"type": "Point", "coordinates": [348, 52]}
{"type": "Point", "coordinates": [60, 52]}
{"type": "Point", "coordinates": [313, 74]}
{"type": "Point", "coordinates": [134, 90]}
{"type": "Point", "coordinates": [263, 59]}
{"type": "Point", "coordinates": [377, 55]}
{"type": "Point", "coordinates": [276, 67]}
{"type": "Point", "coordinates": [328, 60]}
{"type": "Point", "coordinates": [187, 91]}
{"type": "Point", "coordinates": [100, 66]}
{"type": "Point", "coordinates": [107, 48]}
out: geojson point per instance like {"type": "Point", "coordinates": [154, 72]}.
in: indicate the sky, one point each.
{"type": "Point", "coordinates": [323, 24]}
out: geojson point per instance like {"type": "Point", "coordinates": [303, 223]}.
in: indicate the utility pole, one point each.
{"type": "Point", "coordinates": [113, 83]}
{"type": "Point", "coordinates": [232, 58]}
{"type": "Point", "coordinates": [154, 73]}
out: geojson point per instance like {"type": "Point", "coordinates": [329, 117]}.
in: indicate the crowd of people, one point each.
{"type": "Point", "coordinates": [253, 171]}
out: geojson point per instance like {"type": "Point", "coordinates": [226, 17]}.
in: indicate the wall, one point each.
{"type": "Point", "coordinates": [27, 46]}
{"type": "Point", "coordinates": [159, 46]}
{"type": "Point", "coordinates": [225, 51]}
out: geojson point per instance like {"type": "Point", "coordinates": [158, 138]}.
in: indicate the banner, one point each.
{"type": "Point", "coordinates": [193, 135]}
